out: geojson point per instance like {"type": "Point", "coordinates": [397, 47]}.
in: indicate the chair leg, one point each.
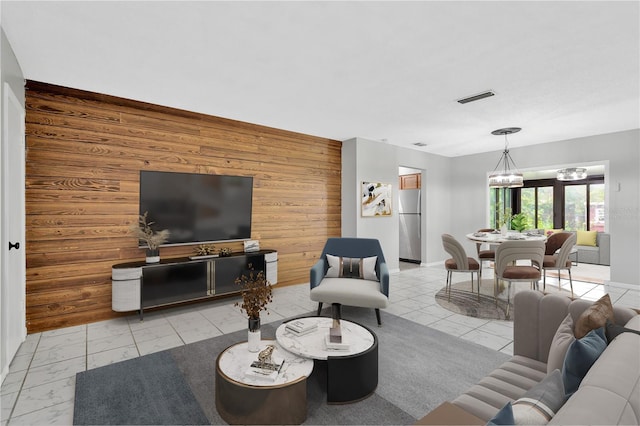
{"type": "Point", "coordinates": [319, 308]}
{"type": "Point", "coordinates": [378, 317]}
{"type": "Point", "coordinates": [544, 280]}
{"type": "Point", "coordinates": [478, 277]}
{"type": "Point", "coordinates": [336, 311]}
{"type": "Point", "coordinates": [559, 281]}
{"type": "Point", "coordinates": [508, 298]}
{"type": "Point", "coordinates": [448, 285]}
{"type": "Point", "coordinates": [570, 282]}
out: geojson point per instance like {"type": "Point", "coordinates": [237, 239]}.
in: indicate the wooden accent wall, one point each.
{"type": "Point", "coordinates": [84, 155]}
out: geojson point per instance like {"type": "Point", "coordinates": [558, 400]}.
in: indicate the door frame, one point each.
{"type": "Point", "coordinates": [13, 311]}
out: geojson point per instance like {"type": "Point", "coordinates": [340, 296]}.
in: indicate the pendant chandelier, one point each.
{"type": "Point", "coordinates": [509, 176]}
{"type": "Point", "coordinates": [572, 173]}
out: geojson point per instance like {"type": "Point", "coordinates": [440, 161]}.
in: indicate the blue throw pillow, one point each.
{"type": "Point", "coordinates": [503, 417]}
{"type": "Point", "coordinates": [581, 355]}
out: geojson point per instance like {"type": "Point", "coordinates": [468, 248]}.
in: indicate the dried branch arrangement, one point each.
{"type": "Point", "coordinates": [143, 231]}
{"type": "Point", "coordinates": [256, 293]}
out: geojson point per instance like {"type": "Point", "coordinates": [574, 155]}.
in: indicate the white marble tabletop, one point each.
{"type": "Point", "coordinates": [313, 345]}
{"type": "Point", "coordinates": [235, 361]}
{"type": "Point", "coordinates": [489, 237]}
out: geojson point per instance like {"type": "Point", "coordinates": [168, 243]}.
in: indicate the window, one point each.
{"type": "Point", "coordinates": [537, 204]}
{"type": "Point", "coordinates": [499, 207]}
{"type": "Point", "coordinates": [575, 207]}
{"type": "Point", "coordinates": [596, 207]}
{"type": "Point", "coordinates": [552, 204]}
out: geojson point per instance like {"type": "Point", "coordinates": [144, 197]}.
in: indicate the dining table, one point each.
{"type": "Point", "coordinates": [498, 237]}
{"type": "Point", "coordinates": [495, 238]}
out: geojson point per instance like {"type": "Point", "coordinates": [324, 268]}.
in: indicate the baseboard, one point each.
{"type": "Point", "coordinates": [622, 285]}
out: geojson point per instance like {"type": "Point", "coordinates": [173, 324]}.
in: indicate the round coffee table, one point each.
{"type": "Point", "coordinates": [251, 399]}
{"type": "Point", "coordinates": [352, 374]}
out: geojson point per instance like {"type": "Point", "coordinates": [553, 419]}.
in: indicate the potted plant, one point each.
{"type": "Point", "coordinates": [519, 222]}
{"type": "Point", "coordinates": [153, 239]}
{"type": "Point", "coordinates": [256, 295]}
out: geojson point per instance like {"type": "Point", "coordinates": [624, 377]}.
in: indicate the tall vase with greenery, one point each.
{"type": "Point", "coordinates": [153, 239]}
{"type": "Point", "coordinates": [504, 221]}
{"type": "Point", "coordinates": [256, 295]}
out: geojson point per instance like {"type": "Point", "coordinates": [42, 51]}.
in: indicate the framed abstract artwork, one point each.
{"type": "Point", "coordinates": [375, 199]}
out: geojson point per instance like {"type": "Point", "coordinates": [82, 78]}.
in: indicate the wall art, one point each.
{"type": "Point", "coordinates": [375, 199]}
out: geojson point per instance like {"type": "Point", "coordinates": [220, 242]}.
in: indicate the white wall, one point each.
{"type": "Point", "coordinates": [366, 160]}
{"type": "Point", "coordinates": [469, 190]}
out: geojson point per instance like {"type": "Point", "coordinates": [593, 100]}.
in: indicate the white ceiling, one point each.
{"type": "Point", "coordinates": [378, 70]}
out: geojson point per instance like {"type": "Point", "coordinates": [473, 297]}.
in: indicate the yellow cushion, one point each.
{"type": "Point", "coordinates": [586, 238]}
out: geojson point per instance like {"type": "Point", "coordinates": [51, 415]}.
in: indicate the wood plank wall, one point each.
{"type": "Point", "coordinates": [84, 154]}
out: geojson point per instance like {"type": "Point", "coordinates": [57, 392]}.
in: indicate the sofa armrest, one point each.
{"type": "Point", "coordinates": [317, 273]}
{"type": "Point", "coordinates": [384, 279]}
{"type": "Point", "coordinates": [604, 244]}
{"type": "Point", "coordinates": [449, 414]}
{"type": "Point", "coordinates": [536, 318]}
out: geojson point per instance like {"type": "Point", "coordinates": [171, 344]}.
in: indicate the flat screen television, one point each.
{"type": "Point", "coordinates": [197, 208]}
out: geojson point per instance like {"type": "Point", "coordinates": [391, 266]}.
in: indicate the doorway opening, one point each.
{"type": "Point", "coordinates": [410, 207]}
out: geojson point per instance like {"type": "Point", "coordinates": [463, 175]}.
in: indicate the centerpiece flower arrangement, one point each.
{"type": "Point", "coordinates": [256, 295]}
{"type": "Point", "coordinates": [143, 231]}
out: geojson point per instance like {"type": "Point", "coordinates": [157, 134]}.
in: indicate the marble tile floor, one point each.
{"type": "Point", "coordinates": [39, 388]}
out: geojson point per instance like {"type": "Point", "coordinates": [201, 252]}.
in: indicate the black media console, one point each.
{"type": "Point", "coordinates": [139, 285]}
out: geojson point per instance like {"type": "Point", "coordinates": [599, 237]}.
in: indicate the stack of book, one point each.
{"type": "Point", "coordinates": [299, 327]}
{"type": "Point", "coordinates": [268, 372]}
{"type": "Point", "coordinates": [334, 345]}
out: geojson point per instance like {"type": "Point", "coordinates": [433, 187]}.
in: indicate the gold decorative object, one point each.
{"type": "Point", "coordinates": [205, 250]}
{"type": "Point", "coordinates": [225, 251]}
{"type": "Point", "coordinates": [264, 357]}
{"type": "Point", "coordinates": [143, 231]}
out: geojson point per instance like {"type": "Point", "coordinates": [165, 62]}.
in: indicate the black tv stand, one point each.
{"type": "Point", "coordinates": [139, 285]}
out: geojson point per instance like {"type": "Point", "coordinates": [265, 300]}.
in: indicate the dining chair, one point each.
{"type": "Point", "coordinates": [488, 255]}
{"type": "Point", "coordinates": [507, 269]}
{"type": "Point", "coordinates": [459, 262]}
{"type": "Point", "coordinates": [558, 258]}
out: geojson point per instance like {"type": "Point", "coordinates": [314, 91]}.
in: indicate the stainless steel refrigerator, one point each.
{"type": "Point", "coordinates": [410, 225]}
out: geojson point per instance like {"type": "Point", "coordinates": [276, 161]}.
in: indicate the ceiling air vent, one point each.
{"type": "Point", "coordinates": [420, 144]}
{"type": "Point", "coordinates": [477, 97]}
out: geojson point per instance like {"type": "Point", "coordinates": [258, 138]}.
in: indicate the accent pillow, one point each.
{"type": "Point", "coordinates": [537, 406]}
{"type": "Point", "coordinates": [541, 402]}
{"type": "Point", "coordinates": [612, 330]}
{"type": "Point", "coordinates": [560, 344]}
{"type": "Point", "coordinates": [347, 267]}
{"type": "Point", "coordinates": [586, 238]}
{"type": "Point", "coordinates": [595, 316]}
{"type": "Point", "coordinates": [581, 355]}
{"type": "Point", "coordinates": [503, 417]}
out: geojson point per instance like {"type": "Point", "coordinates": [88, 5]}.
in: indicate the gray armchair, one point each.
{"type": "Point", "coordinates": [345, 285]}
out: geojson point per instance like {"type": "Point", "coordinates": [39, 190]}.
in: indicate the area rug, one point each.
{"type": "Point", "coordinates": [419, 368]}
{"type": "Point", "coordinates": [462, 301]}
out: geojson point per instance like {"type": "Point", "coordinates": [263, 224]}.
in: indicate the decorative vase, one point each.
{"type": "Point", "coordinates": [153, 255]}
{"type": "Point", "coordinates": [254, 337]}
{"type": "Point", "coordinates": [503, 230]}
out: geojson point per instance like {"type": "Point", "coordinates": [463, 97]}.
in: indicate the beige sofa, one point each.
{"type": "Point", "coordinates": [608, 394]}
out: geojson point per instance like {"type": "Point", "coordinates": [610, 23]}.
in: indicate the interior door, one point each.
{"type": "Point", "coordinates": [12, 299]}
